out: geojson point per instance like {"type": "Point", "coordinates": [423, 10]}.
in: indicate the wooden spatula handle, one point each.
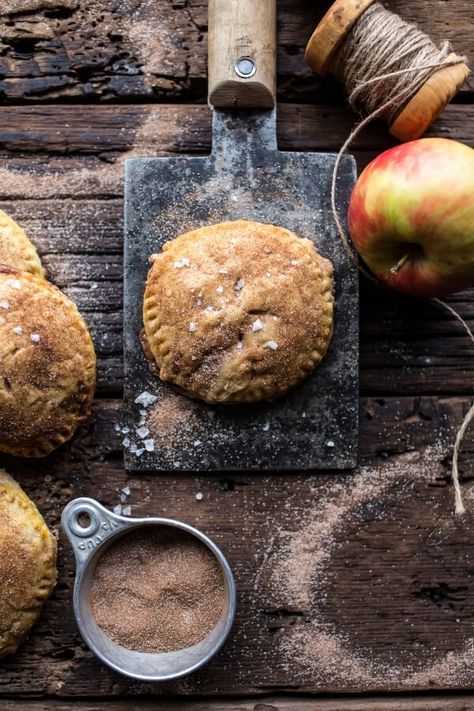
{"type": "Point", "coordinates": [242, 48]}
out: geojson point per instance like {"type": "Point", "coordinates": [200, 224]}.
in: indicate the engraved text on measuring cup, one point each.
{"type": "Point", "coordinates": [94, 541]}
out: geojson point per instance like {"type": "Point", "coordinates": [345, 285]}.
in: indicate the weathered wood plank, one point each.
{"type": "Point", "coordinates": [421, 702]}
{"type": "Point", "coordinates": [99, 129]}
{"type": "Point", "coordinates": [391, 603]}
{"type": "Point", "coordinates": [388, 426]}
{"type": "Point", "coordinates": [407, 346]}
{"type": "Point", "coordinates": [58, 152]}
{"type": "Point", "coordinates": [122, 49]}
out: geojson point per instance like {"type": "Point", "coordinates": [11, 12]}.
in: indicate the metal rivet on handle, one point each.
{"type": "Point", "coordinates": [74, 516]}
{"type": "Point", "coordinates": [245, 67]}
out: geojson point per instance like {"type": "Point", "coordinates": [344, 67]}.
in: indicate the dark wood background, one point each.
{"type": "Point", "coordinates": [85, 84]}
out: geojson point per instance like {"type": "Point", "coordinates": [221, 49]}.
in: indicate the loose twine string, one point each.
{"type": "Point", "coordinates": [379, 54]}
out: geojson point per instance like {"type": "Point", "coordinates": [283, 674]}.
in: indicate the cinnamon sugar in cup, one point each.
{"type": "Point", "coordinates": [97, 536]}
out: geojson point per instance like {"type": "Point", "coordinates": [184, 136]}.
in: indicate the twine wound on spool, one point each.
{"type": "Point", "coordinates": [379, 55]}
{"type": "Point", "coordinates": [383, 62]}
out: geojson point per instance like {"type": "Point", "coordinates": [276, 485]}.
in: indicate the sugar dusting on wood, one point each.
{"type": "Point", "coordinates": [298, 564]}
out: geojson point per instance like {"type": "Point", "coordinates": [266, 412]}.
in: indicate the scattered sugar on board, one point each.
{"type": "Point", "coordinates": [172, 420]}
{"type": "Point", "coordinates": [145, 398]}
{"type": "Point", "coordinates": [149, 445]}
{"type": "Point", "coordinates": [177, 424]}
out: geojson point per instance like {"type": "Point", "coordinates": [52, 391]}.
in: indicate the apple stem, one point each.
{"type": "Point", "coordinates": [395, 269]}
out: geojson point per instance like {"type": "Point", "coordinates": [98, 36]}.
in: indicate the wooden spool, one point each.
{"type": "Point", "coordinates": [423, 107]}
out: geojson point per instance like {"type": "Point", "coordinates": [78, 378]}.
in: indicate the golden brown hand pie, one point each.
{"type": "Point", "coordinates": [27, 564]}
{"type": "Point", "coordinates": [238, 312]}
{"type": "Point", "coordinates": [16, 250]}
{"type": "Point", "coordinates": [47, 365]}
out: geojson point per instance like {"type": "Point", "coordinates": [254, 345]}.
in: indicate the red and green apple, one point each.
{"type": "Point", "coordinates": [411, 217]}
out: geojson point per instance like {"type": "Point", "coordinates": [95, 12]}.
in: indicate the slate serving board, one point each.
{"type": "Point", "coordinates": [313, 427]}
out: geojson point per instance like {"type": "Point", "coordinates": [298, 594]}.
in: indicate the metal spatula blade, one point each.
{"type": "Point", "coordinates": [245, 177]}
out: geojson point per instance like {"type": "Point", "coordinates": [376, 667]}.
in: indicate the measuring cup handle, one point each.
{"type": "Point", "coordinates": [84, 539]}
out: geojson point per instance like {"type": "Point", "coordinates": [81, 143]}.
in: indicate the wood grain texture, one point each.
{"type": "Point", "coordinates": [422, 702]}
{"type": "Point", "coordinates": [406, 346]}
{"type": "Point", "coordinates": [394, 595]}
{"type": "Point", "coordinates": [62, 179]}
{"type": "Point", "coordinates": [126, 50]}
{"type": "Point", "coordinates": [396, 588]}
{"type": "Point", "coordinates": [59, 151]}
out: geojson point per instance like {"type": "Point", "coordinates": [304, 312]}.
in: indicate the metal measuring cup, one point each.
{"type": "Point", "coordinates": [89, 543]}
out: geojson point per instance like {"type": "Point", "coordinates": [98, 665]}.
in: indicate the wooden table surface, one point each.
{"type": "Point", "coordinates": [355, 590]}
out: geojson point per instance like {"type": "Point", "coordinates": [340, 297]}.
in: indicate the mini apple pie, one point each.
{"type": "Point", "coordinates": [47, 365]}
{"type": "Point", "coordinates": [238, 312]}
{"type": "Point", "coordinates": [16, 250]}
{"type": "Point", "coordinates": [27, 564]}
